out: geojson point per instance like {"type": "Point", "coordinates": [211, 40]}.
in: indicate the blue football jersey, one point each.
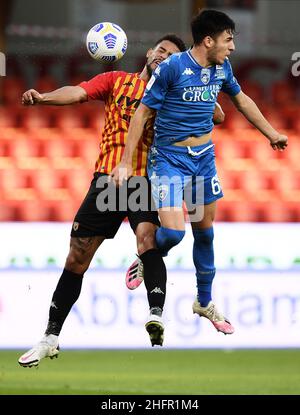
{"type": "Point", "coordinates": [184, 95]}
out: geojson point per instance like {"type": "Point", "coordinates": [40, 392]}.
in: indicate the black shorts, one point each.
{"type": "Point", "coordinates": [90, 221]}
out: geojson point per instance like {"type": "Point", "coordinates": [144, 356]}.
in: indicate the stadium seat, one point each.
{"type": "Point", "coordinates": [33, 118]}
{"type": "Point", "coordinates": [254, 90]}
{"type": "Point", "coordinates": [45, 84]}
{"type": "Point", "coordinates": [276, 119]}
{"type": "Point", "coordinates": [23, 147]}
{"type": "Point", "coordinates": [69, 118]}
{"type": "Point", "coordinates": [95, 117]}
{"type": "Point", "coordinates": [88, 150]}
{"type": "Point", "coordinates": [13, 178]}
{"type": "Point", "coordinates": [7, 212]}
{"type": "Point", "coordinates": [64, 210]}
{"type": "Point", "coordinates": [57, 148]}
{"type": "Point", "coordinates": [229, 147]}
{"type": "Point", "coordinates": [33, 210]}
{"type": "Point", "coordinates": [261, 151]}
{"type": "Point", "coordinates": [282, 92]}
{"type": "Point", "coordinates": [243, 211]}
{"type": "Point", "coordinates": [236, 121]}
{"type": "Point", "coordinates": [44, 181]}
{"type": "Point", "coordinates": [77, 181]}
{"type": "Point", "coordinates": [8, 117]}
{"type": "Point", "coordinates": [12, 90]}
{"type": "Point", "coordinates": [276, 211]}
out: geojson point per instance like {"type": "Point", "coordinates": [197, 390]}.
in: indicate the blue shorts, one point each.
{"type": "Point", "coordinates": [186, 174]}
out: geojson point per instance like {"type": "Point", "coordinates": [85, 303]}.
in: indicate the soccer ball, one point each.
{"type": "Point", "coordinates": [106, 42]}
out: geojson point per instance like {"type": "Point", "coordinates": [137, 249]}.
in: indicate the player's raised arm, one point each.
{"type": "Point", "coordinates": [62, 96]}
{"type": "Point", "coordinates": [250, 110]}
{"type": "Point", "coordinates": [124, 169]}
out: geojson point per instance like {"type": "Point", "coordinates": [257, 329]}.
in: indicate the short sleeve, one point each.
{"type": "Point", "coordinates": [98, 87]}
{"type": "Point", "coordinates": [158, 86]}
{"type": "Point", "coordinates": [230, 85]}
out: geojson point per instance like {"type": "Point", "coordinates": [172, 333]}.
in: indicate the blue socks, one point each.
{"type": "Point", "coordinates": [203, 256]}
{"type": "Point", "coordinates": [167, 238]}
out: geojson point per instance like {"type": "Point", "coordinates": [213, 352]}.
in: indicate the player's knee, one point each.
{"type": "Point", "coordinates": [168, 238]}
{"type": "Point", "coordinates": [77, 262]}
{"type": "Point", "coordinates": [145, 241]}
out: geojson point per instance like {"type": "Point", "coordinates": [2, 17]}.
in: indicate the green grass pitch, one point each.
{"type": "Point", "coordinates": [158, 371]}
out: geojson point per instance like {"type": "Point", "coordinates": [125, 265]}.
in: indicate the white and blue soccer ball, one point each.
{"type": "Point", "coordinates": [106, 42]}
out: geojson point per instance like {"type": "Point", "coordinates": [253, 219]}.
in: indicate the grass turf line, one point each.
{"type": "Point", "coordinates": [146, 372]}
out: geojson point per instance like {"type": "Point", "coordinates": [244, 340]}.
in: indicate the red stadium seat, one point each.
{"type": "Point", "coordinates": [77, 181]}
{"type": "Point", "coordinates": [33, 118]}
{"type": "Point", "coordinates": [262, 152]}
{"type": "Point", "coordinates": [57, 148]}
{"type": "Point", "coordinates": [282, 92]}
{"type": "Point", "coordinates": [46, 84]}
{"type": "Point", "coordinates": [12, 90]}
{"type": "Point", "coordinates": [227, 147]}
{"type": "Point", "coordinates": [88, 150]}
{"type": "Point", "coordinates": [14, 178]}
{"type": "Point", "coordinates": [277, 211]}
{"type": "Point", "coordinates": [8, 117]}
{"type": "Point", "coordinates": [236, 121]}
{"type": "Point", "coordinates": [65, 210]}
{"type": "Point", "coordinates": [242, 211]}
{"type": "Point", "coordinates": [69, 118]}
{"type": "Point", "coordinates": [44, 181]}
{"type": "Point", "coordinates": [276, 119]}
{"type": "Point", "coordinates": [7, 212]}
{"type": "Point", "coordinates": [95, 117]}
{"type": "Point", "coordinates": [33, 210]}
{"type": "Point", "coordinates": [254, 90]}
{"type": "Point", "coordinates": [24, 147]}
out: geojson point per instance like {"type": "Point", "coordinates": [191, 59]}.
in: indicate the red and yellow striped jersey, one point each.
{"type": "Point", "coordinates": [121, 93]}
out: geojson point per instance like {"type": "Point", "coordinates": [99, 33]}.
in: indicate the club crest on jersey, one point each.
{"type": "Point", "coordinates": [163, 191]}
{"type": "Point", "coordinates": [205, 76]}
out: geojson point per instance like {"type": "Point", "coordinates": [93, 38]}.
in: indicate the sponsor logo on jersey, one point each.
{"type": "Point", "coordinates": [205, 76]}
{"type": "Point", "coordinates": [220, 74]}
{"type": "Point", "coordinates": [207, 93]}
{"type": "Point", "coordinates": [188, 71]}
{"type": "Point", "coordinates": [75, 226]}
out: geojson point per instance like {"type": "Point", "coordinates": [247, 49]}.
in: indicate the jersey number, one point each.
{"type": "Point", "coordinates": [215, 185]}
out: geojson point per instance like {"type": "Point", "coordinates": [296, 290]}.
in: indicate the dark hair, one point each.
{"type": "Point", "coordinates": [210, 23]}
{"type": "Point", "coordinates": [171, 37]}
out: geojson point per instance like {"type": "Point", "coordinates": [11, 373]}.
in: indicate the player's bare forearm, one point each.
{"type": "Point", "coordinates": [135, 131]}
{"type": "Point", "coordinates": [63, 96]}
{"type": "Point", "coordinates": [250, 110]}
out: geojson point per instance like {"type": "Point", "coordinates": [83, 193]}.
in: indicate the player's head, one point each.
{"type": "Point", "coordinates": [163, 48]}
{"type": "Point", "coordinates": [214, 30]}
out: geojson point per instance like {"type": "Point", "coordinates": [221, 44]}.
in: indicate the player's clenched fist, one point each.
{"type": "Point", "coordinates": [279, 142]}
{"type": "Point", "coordinates": [31, 97]}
